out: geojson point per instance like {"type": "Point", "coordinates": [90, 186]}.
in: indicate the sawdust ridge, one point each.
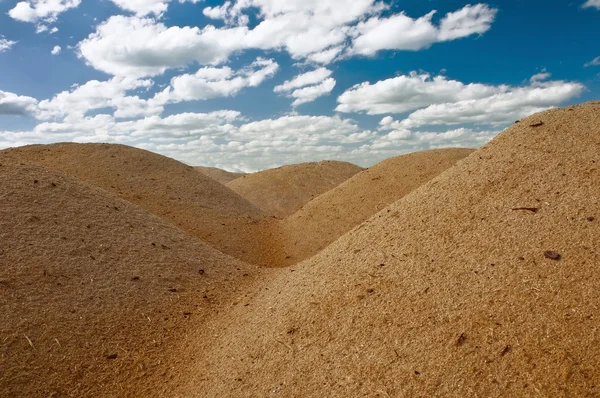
{"type": "Point", "coordinates": [96, 294]}
{"type": "Point", "coordinates": [220, 175]}
{"type": "Point", "coordinates": [282, 191]}
{"type": "Point", "coordinates": [482, 282]}
{"type": "Point", "coordinates": [165, 187]}
{"type": "Point", "coordinates": [330, 215]}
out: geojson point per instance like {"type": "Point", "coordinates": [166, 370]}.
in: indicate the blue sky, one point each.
{"type": "Point", "coordinates": [251, 84]}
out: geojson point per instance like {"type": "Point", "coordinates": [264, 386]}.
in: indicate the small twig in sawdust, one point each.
{"type": "Point", "coordinates": [57, 342]}
{"type": "Point", "coordinates": [28, 340]}
{"type": "Point", "coordinates": [287, 345]}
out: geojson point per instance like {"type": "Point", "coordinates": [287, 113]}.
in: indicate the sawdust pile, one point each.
{"type": "Point", "coordinates": [483, 282]}
{"type": "Point", "coordinates": [165, 187]}
{"type": "Point", "coordinates": [327, 217]}
{"type": "Point", "coordinates": [220, 175]}
{"type": "Point", "coordinates": [282, 191]}
{"type": "Point", "coordinates": [96, 293]}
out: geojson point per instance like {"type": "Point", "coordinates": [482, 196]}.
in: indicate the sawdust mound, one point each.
{"type": "Point", "coordinates": [96, 293]}
{"type": "Point", "coordinates": [163, 186]}
{"type": "Point", "coordinates": [282, 191]}
{"type": "Point", "coordinates": [220, 175]}
{"type": "Point", "coordinates": [327, 217]}
{"type": "Point", "coordinates": [483, 282]}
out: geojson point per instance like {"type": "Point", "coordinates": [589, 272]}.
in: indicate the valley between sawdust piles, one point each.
{"type": "Point", "coordinates": [440, 273]}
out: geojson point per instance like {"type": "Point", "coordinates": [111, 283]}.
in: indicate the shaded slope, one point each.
{"type": "Point", "coordinates": [220, 175]}
{"type": "Point", "coordinates": [282, 191]}
{"type": "Point", "coordinates": [448, 292]}
{"type": "Point", "coordinates": [163, 186]}
{"type": "Point", "coordinates": [96, 294]}
{"type": "Point", "coordinates": [329, 216]}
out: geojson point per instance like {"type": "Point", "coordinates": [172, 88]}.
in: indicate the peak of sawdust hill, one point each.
{"type": "Point", "coordinates": [165, 187]}
{"type": "Point", "coordinates": [327, 217]}
{"type": "Point", "coordinates": [282, 191]}
{"type": "Point", "coordinates": [96, 294]}
{"type": "Point", "coordinates": [220, 175]}
{"type": "Point", "coordinates": [482, 282]}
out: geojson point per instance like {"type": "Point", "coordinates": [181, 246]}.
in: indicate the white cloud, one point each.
{"type": "Point", "coordinates": [401, 32]}
{"type": "Point", "coordinates": [592, 3]}
{"type": "Point", "coordinates": [315, 31]}
{"type": "Point", "coordinates": [446, 101]}
{"type": "Point", "coordinates": [540, 77]}
{"type": "Point", "coordinates": [308, 86]}
{"type": "Point", "coordinates": [97, 95]}
{"type": "Point", "coordinates": [41, 10]}
{"type": "Point", "coordinates": [501, 108]}
{"type": "Point", "coordinates": [210, 82]}
{"type": "Point", "coordinates": [326, 56]}
{"type": "Point", "coordinates": [409, 92]}
{"type": "Point", "coordinates": [470, 20]}
{"type": "Point", "coordinates": [305, 79]}
{"type": "Point", "coordinates": [6, 44]}
{"type": "Point", "coordinates": [594, 62]}
{"type": "Point", "coordinates": [55, 50]}
{"type": "Point", "coordinates": [138, 47]}
{"type": "Point", "coordinates": [13, 104]}
{"type": "Point", "coordinates": [311, 93]}
{"type": "Point", "coordinates": [53, 30]}
{"type": "Point", "coordinates": [146, 7]}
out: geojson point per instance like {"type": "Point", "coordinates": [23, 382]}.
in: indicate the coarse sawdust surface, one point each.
{"type": "Point", "coordinates": [220, 175]}
{"type": "Point", "coordinates": [282, 191]}
{"type": "Point", "coordinates": [165, 187]}
{"type": "Point", "coordinates": [327, 217]}
{"type": "Point", "coordinates": [96, 294]}
{"type": "Point", "coordinates": [482, 281]}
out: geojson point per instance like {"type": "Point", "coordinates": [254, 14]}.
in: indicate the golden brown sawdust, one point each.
{"type": "Point", "coordinates": [163, 186]}
{"type": "Point", "coordinates": [482, 282]}
{"type": "Point", "coordinates": [327, 217]}
{"type": "Point", "coordinates": [282, 191]}
{"type": "Point", "coordinates": [220, 175]}
{"type": "Point", "coordinates": [96, 293]}
{"type": "Point", "coordinates": [447, 292]}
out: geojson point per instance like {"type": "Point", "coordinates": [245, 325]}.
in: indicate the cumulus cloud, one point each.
{"type": "Point", "coordinates": [308, 86]}
{"type": "Point", "coordinates": [211, 82]}
{"type": "Point", "coordinates": [592, 3]}
{"type": "Point", "coordinates": [311, 93]}
{"type": "Point", "coordinates": [409, 92]}
{"type": "Point", "coordinates": [6, 44]}
{"type": "Point", "coordinates": [503, 107]}
{"type": "Point", "coordinates": [594, 62]}
{"type": "Point", "coordinates": [13, 104]}
{"type": "Point", "coordinates": [447, 101]}
{"type": "Point", "coordinates": [146, 7]}
{"type": "Point", "coordinates": [311, 31]}
{"type": "Point", "coordinates": [95, 94]}
{"type": "Point", "coordinates": [539, 77]}
{"type": "Point", "coordinates": [41, 10]}
{"type": "Point", "coordinates": [226, 139]}
{"type": "Point", "coordinates": [56, 50]}
{"type": "Point", "coordinates": [304, 79]}
{"type": "Point", "coordinates": [401, 32]}
{"type": "Point", "coordinates": [139, 47]}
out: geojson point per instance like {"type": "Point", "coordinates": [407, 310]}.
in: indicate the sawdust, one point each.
{"type": "Point", "coordinates": [220, 175]}
{"type": "Point", "coordinates": [282, 191]}
{"type": "Point", "coordinates": [96, 293]}
{"type": "Point", "coordinates": [481, 282]}
{"type": "Point", "coordinates": [327, 217]}
{"type": "Point", "coordinates": [169, 189]}
{"type": "Point", "coordinates": [448, 291]}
